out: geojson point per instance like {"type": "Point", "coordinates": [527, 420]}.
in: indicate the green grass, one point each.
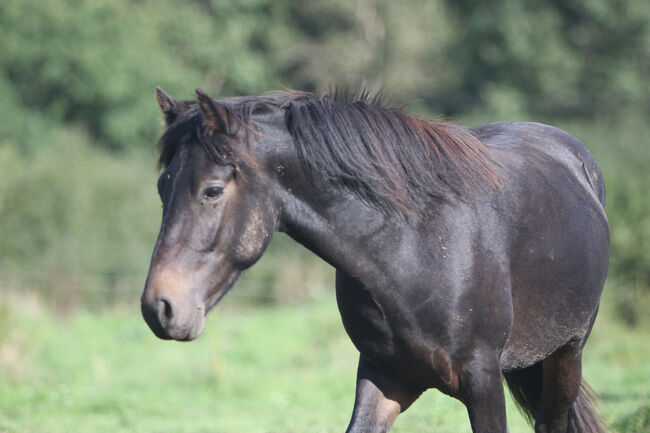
{"type": "Point", "coordinates": [274, 369]}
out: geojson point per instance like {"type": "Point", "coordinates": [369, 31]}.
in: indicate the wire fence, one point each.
{"type": "Point", "coordinates": [69, 289]}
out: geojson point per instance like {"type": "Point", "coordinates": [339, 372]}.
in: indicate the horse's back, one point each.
{"type": "Point", "coordinates": [552, 141]}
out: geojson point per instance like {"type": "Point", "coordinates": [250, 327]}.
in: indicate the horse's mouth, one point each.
{"type": "Point", "coordinates": [196, 329]}
{"type": "Point", "coordinates": [199, 320]}
{"type": "Point", "coordinates": [214, 299]}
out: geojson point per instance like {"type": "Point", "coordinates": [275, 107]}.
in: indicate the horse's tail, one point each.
{"type": "Point", "coordinates": [583, 416]}
{"type": "Point", "coordinates": [526, 388]}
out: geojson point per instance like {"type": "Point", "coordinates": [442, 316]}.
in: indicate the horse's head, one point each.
{"type": "Point", "coordinates": [219, 214]}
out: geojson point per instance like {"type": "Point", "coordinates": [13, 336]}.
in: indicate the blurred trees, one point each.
{"type": "Point", "coordinates": [560, 58]}
{"type": "Point", "coordinates": [94, 62]}
{"type": "Point", "coordinates": [77, 76]}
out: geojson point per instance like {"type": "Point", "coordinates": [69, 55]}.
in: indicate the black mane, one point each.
{"type": "Point", "coordinates": [389, 159]}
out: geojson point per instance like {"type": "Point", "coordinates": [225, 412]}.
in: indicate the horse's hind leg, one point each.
{"type": "Point", "coordinates": [379, 400]}
{"type": "Point", "coordinates": [561, 379]}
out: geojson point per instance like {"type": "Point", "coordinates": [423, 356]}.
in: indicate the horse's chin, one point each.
{"type": "Point", "coordinates": [195, 330]}
{"type": "Point", "coordinates": [214, 298]}
{"type": "Point", "coordinates": [199, 320]}
{"type": "Point", "coordinates": [188, 332]}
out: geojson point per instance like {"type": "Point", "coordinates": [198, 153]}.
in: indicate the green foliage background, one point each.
{"type": "Point", "coordinates": [77, 201]}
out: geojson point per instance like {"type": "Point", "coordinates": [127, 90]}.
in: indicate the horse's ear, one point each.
{"type": "Point", "coordinates": [171, 108]}
{"type": "Point", "coordinates": [215, 114]}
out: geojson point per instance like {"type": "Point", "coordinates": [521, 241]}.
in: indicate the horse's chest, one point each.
{"type": "Point", "coordinates": [389, 343]}
{"type": "Point", "coordinates": [365, 320]}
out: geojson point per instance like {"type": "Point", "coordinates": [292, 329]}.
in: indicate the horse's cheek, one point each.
{"type": "Point", "coordinates": [253, 240]}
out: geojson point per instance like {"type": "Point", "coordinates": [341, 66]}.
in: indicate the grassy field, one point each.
{"type": "Point", "coordinates": [274, 369]}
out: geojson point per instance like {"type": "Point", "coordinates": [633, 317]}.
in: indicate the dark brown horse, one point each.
{"type": "Point", "coordinates": [461, 254]}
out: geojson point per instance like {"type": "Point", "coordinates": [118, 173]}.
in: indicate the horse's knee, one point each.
{"type": "Point", "coordinates": [380, 398]}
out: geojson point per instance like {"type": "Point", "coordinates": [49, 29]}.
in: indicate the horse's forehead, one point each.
{"type": "Point", "coordinates": [179, 160]}
{"type": "Point", "coordinates": [169, 178]}
{"type": "Point", "coordinates": [190, 156]}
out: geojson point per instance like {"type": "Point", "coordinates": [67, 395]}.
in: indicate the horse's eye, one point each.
{"type": "Point", "coordinates": [213, 192]}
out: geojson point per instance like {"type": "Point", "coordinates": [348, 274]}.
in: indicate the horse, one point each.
{"type": "Point", "coordinates": [462, 255]}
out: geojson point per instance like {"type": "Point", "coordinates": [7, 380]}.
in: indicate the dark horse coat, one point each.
{"type": "Point", "coordinates": [461, 254]}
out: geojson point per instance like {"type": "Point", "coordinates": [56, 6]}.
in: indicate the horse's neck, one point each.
{"type": "Point", "coordinates": [340, 231]}
{"type": "Point", "coordinates": [327, 220]}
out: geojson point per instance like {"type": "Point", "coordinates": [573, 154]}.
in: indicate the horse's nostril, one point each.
{"type": "Point", "coordinates": [168, 309]}
{"type": "Point", "coordinates": [165, 311]}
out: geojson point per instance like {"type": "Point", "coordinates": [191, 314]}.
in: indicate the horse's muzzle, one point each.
{"type": "Point", "coordinates": [171, 321]}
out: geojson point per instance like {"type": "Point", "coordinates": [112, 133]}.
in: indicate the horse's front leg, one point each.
{"type": "Point", "coordinates": [482, 391]}
{"type": "Point", "coordinates": [379, 399]}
